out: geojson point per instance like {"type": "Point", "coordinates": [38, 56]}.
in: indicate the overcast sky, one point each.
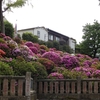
{"type": "Point", "coordinates": [64, 16]}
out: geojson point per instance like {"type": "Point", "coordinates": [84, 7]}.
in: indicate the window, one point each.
{"type": "Point", "coordinates": [57, 38]}
{"type": "Point", "coordinates": [50, 37]}
{"type": "Point", "coordinates": [38, 34]}
{"type": "Point", "coordinates": [44, 37]}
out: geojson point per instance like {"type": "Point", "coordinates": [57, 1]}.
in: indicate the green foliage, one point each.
{"type": "Point", "coordinates": [14, 4]}
{"type": "Point", "coordinates": [41, 72]}
{"type": "Point", "coordinates": [2, 40]}
{"type": "Point", "coordinates": [40, 42]}
{"type": "Point", "coordinates": [91, 39]}
{"type": "Point", "coordinates": [73, 74]}
{"type": "Point", "coordinates": [18, 40]}
{"type": "Point", "coordinates": [56, 45]}
{"type": "Point", "coordinates": [8, 5]}
{"type": "Point", "coordinates": [77, 48]}
{"type": "Point", "coordinates": [5, 69]}
{"type": "Point", "coordinates": [44, 47]}
{"type": "Point", "coordinates": [65, 48]}
{"type": "Point", "coordinates": [21, 67]}
{"type": "Point", "coordinates": [30, 37]}
{"type": "Point", "coordinates": [49, 44]}
{"type": "Point", "coordinates": [9, 30]}
{"type": "Point", "coordinates": [49, 65]}
{"type": "Point", "coordinates": [18, 36]}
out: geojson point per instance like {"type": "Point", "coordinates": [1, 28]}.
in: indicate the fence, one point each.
{"type": "Point", "coordinates": [19, 88]}
{"type": "Point", "coordinates": [16, 87]}
{"type": "Point", "coordinates": [68, 89]}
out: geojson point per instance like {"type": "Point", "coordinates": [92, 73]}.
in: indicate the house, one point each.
{"type": "Point", "coordinates": [46, 34]}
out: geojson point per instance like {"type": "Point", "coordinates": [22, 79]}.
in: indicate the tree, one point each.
{"type": "Point", "coordinates": [91, 39]}
{"type": "Point", "coordinates": [9, 30]}
{"type": "Point", "coordinates": [30, 37]}
{"type": "Point", "coordinates": [8, 5]}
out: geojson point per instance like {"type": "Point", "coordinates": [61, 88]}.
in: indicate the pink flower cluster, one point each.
{"type": "Point", "coordinates": [70, 62]}
{"type": "Point", "coordinates": [56, 75]}
{"type": "Point", "coordinates": [52, 56]}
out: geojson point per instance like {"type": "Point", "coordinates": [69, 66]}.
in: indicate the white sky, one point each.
{"type": "Point", "coordinates": [64, 16]}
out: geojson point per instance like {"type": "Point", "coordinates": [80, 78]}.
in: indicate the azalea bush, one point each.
{"type": "Point", "coordinates": [41, 72]}
{"type": "Point", "coordinates": [59, 69]}
{"type": "Point", "coordinates": [2, 40]}
{"type": "Point", "coordinates": [53, 56]}
{"type": "Point", "coordinates": [96, 74]}
{"type": "Point", "coordinates": [55, 75]}
{"type": "Point", "coordinates": [44, 47]}
{"type": "Point", "coordinates": [2, 53]}
{"type": "Point", "coordinates": [6, 49]}
{"type": "Point", "coordinates": [33, 49]}
{"type": "Point", "coordinates": [5, 69]}
{"type": "Point", "coordinates": [23, 51]}
{"type": "Point", "coordinates": [29, 43]}
{"type": "Point", "coordinates": [21, 56]}
{"type": "Point", "coordinates": [85, 70]}
{"type": "Point", "coordinates": [49, 65]}
{"type": "Point", "coordinates": [21, 67]}
{"type": "Point", "coordinates": [70, 62]}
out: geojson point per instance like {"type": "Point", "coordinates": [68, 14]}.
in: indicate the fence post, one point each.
{"type": "Point", "coordinates": [79, 87]}
{"type": "Point", "coordinates": [28, 85]}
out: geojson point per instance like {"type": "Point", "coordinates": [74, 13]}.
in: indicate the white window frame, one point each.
{"type": "Point", "coordinates": [50, 37]}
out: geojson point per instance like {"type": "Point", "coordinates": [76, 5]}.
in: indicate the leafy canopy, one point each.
{"type": "Point", "coordinates": [8, 5]}
{"type": "Point", "coordinates": [91, 39]}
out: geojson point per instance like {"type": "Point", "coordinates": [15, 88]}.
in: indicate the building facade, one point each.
{"type": "Point", "coordinates": [46, 34]}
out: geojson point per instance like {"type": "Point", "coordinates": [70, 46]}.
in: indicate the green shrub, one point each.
{"type": "Point", "coordinates": [21, 67]}
{"type": "Point", "coordinates": [2, 40]}
{"type": "Point", "coordinates": [49, 65]}
{"type": "Point", "coordinates": [73, 74]}
{"type": "Point", "coordinates": [5, 69]}
{"type": "Point", "coordinates": [30, 37]}
{"type": "Point", "coordinates": [44, 47]}
{"type": "Point", "coordinates": [41, 72]}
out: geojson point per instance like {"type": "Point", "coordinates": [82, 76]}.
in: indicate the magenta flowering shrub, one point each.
{"type": "Point", "coordinates": [7, 38]}
{"type": "Point", "coordinates": [23, 51]}
{"type": "Point", "coordinates": [81, 58]}
{"type": "Point", "coordinates": [36, 45]}
{"type": "Point", "coordinates": [29, 44]}
{"type": "Point", "coordinates": [16, 52]}
{"type": "Point", "coordinates": [2, 35]}
{"type": "Point", "coordinates": [87, 71]}
{"type": "Point", "coordinates": [86, 57]}
{"type": "Point", "coordinates": [87, 63]}
{"type": "Point", "coordinates": [33, 46]}
{"type": "Point", "coordinates": [12, 44]}
{"type": "Point", "coordinates": [70, 62]}
{"type": "Point", "coordinates": [44, 47]}
{"type": "Point", "coordinates": [56, 75]}
{"type": "Point", "coordinates": [38, 55]}
{"type": "Point", "coordinates": [96, 74]}
{"type": "Point", "coordinates": [53, 56]}
{"type": "Point", "coordinates": [42, 51]}
{"type": "Point", "coordinates": [33, 49]}
{"type": "Point", "coordinates": [49, 65]}
{"type": "Point", "coordinates": [52, 49]}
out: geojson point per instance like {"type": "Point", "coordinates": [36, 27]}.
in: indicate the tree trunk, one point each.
{"type": "Point", "coordinates": [1, 18]}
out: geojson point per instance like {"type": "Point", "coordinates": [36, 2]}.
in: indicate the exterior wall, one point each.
{"type": "Point", "coordinates": [72, 44]}
{"type": "Point", "coordinates": [43, 33]}
{"type": "Point", "coordinates": [23, 31]}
